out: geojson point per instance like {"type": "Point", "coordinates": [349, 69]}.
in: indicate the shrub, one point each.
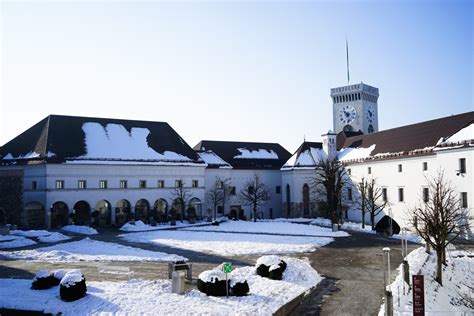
{"type": "Point", "coordinates": [58, 275]}
{"type": "Point", "coordinates": [215, 223]}
{"type": "Point", "coordinates": [73, 286]}
{"type": "Point", "coordinates": [212, 283]}
{"type": "Point", "coordinates": [270, 267]}
{"type": "Point", "coordinates": [43, 280]}
{"type": "Point", "coordinates": [239, 288]}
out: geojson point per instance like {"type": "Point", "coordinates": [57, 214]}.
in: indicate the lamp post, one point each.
{"type": "Point", "coordinates": [386, 282]}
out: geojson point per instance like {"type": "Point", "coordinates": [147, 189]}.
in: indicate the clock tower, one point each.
{"type": "Point", "coordinates": [355, 108]}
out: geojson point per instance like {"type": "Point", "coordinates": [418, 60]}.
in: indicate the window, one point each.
{"type": "Point", "coordinates": [34, 185]}
{"type": "Point", "coordinates": [384, 194]}
{"type": "Point", "coordinates": [178, 184]}
{"type": "Point", "coordinates": [400, 168]}
{"type": "Point", "coordinates": [426, 195]}
{"type": "Point", "coordinates": [278, 189]}
{"type": "Point", "coordinates": [161, 183]}
{"type": "Point", "coordinates": [250, 189]}
{"type": "Point", "coordinates": [232, 191]}
{"type": "Point", "coordinates": [195, 183]}
{"type": "Point", "coordinates": [349, 171]}
{"type": "Point", "coordinates": [349, 194]}
{"type": "Point", "coordinates": [369, 170]}
{"type": "Point", "coordinates": [462, 165]}
{"type": "Point", "coordinates": [142, 184]}
{"type": "Point", "coordinates": [425, 166]}
{"type": "Point", "coordinates": [219, 184]}
{"type": "Point", "coordinates": [81, 184]}
{"type": "Point", "coordinates": [103, 184]}
{"type": "Point", "coordinates": [400, 195]}
{"type": "Point", "coordinates": [59, 184]}
{"type": "Point", "coordinates": [464, 199]}
{"type": "Point", "coordinates": [123, 184]}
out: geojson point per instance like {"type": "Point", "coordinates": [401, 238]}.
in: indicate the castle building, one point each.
{"type": "Point", "coordinates": [106, 171]}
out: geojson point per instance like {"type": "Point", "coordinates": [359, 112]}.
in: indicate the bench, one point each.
{"type": "Point", "coordinates": [117, 270]}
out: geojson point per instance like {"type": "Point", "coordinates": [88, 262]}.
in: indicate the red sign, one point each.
{"type": "Point", "coordinates": [418, 295]}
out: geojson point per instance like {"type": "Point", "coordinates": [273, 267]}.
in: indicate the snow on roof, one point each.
{"type": "Point", "coordinates": [355, 153]}
{"type": "Point", "coordinates": [308, 155]}
{"type": "Point", "coordinates": [211, 158]}
{"type": "Point", "coordinates": [465, 134]}
{"type": "Point", "coordinates": [256, 154]}
{"type": "Point", "coordinates": [114, 141]}
{"type": "Point", "coordinates": [28, 155]}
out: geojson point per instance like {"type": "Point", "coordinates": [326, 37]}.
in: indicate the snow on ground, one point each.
{"type": "Point", "coordinates": [139, 226]}
{"type": "Point", "coordinates": [83, 230]}
{"type": "Point", "coordinates": [30, 233]}
{"type": "Point", "coordinates": [229, 244]}
{"type": "Point", "coordinates": [449, 299]}
{"type": "Point", "coordinates": [293, 220]}
{"type": "Point", "coordinates": [155, 297]}
{"type": "Point", "coordinates": [358, 227]}
{"type": "Point", "coordinates": [271, 227]}
{"type": "Point", "coordinates": [90, 250]}
{"type": "Point", "coordinates": [12, 241]}
{"type": "Point", "coordinates": [321, 221]}
{"type": "Point", "coordinates": [53, 237]}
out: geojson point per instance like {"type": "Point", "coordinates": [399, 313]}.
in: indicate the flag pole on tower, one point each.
{"type": "Point", "coordinates": [347, 60]}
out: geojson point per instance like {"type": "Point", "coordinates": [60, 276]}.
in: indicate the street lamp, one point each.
{"type": "Point", "coordinates": [386, 282]}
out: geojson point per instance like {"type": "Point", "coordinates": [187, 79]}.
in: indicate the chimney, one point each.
{"type": "Point", "coordinates": [329, 144]}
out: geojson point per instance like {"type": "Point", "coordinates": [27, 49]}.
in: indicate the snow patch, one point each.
{"type": "Point", "coordinates": [355, 153]}
{"type": "Point", "coordinates": [212, 276]}
{"type": "Point", "coordinates": [83, 230]}
{"type": "Point", "coordinates": [256, 154]}
{"type": "Point", "coordinates": [465, 134]}
{"type": "Point", "coordinates": [15, 242]}
{"type": "Point", "coordinates": [268, 261]}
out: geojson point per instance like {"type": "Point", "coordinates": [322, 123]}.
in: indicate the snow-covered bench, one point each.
{"type": "Point", "coordinates": [118, 270]}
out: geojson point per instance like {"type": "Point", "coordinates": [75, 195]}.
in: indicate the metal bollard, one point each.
{"type": "Point", "coordinates": [177, 282]}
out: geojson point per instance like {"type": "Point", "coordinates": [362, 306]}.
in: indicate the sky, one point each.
{"type": "Point", "coordinates": [242, 70]}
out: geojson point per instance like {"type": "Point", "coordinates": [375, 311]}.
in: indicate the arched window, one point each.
{"type": "Point", "coordinates": [59, 214]}
{"type": "Point", "coordinates": [306, 200]}
{"type": "Point", "coordinates": [82, 213]}
{"type": "Point", "coordinates": [122, 212]}
{"type": "Point", "coordinates": [142, 209]}
{"type": "Point", "coordinates": [103, 213]}
{"type": "Point", "coordinates": [34, 216]}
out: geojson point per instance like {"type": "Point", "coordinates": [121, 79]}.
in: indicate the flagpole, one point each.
{"type": "Point", "coordinates": [347, 60]}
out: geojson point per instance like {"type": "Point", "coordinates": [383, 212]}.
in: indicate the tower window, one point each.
{"type": "Point", "coordinates": [370, 129]}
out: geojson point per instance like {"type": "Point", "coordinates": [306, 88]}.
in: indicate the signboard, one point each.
{"type": "Point", "coordinates": [418, 295]}
{"type": "Point", "coordinates": [227, 267]}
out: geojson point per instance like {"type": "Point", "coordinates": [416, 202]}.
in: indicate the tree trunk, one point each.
{"type": "Point", "coordinates": [439, 267]}
{"type": "Point", "coordinates": [372, 220]}
{"type": "Point", "coordinates": [444, 256]}
{"type": "Point", "coordinates": [255, 213]}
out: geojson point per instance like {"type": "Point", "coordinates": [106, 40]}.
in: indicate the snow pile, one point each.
{"type": "Point", "coordinates": [454, 297]}
{"type": "Point", "coordinates": [139, 226]}
{"type": "Point", "coordinates": [358, 227]}
{"type": "Point", "coordinates": [465, 134]}
{"type": "Point", "coordinates": [230, 244]}
{"type": "Point", "coordinates": [211, 276]}
{"type": "Point", "coordinates": [355, 153]}
{"type": "Point", "coordinates": [83, 230]}
{"type": "Point", "coordinates": [268, 261]}
{"type": "Point", "coordinates": [11, 241]}
{"type": "Point", "coordinates": [30, 233]}
{"type": "Point", "coordinates": [155, 298]}
{"type": "Point", "coordinates": [321, 221]}
{"type": "Point", "coordinates": [291, 220]}
{"type": "Point", "coordinates": [90, 250]}
{"type": "Point", "coordinates": [271, 227]}
{"type": "Point", "coordinates": [256, 154]}
{"type": "Point", "coordinates": [53, 237]}
{"type": "Point", "coordinates": [116, 142]}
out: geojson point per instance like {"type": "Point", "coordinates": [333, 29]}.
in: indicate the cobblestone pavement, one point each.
{"type": "Point", "coordinates": [352, 267]}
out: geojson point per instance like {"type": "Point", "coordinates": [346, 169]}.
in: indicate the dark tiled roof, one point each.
{"type": "Point", "coordinates": [343, 135]}
{"type": "Point", "coordinates": [229, 150]}
{"type": "Point", "coordinates": [64, 136]}
{"type": "Point", "coordinates": [411, 137]}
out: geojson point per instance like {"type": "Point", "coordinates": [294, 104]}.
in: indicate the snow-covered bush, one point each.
{"type": "Point", "coordinates": [212, 283]}
{"type": "Point", "coordinates": [238, 287]}
{"type": "Point", "coordinates": [270, 267]}
{"type": "Point", "coordinates": [58, 276]}
{"type": "Point", "coordinates": [43, 280]}
{"type": "Point", "coordinates": [73, 286]}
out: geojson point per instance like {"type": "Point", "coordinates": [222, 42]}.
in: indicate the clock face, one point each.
{"type": "Point", "coordinates": [347, 114]}
{"type": "Point", "coordinates": [370, 114]}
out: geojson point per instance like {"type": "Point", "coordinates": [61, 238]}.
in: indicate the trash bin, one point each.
{"type": "Point", "coordinates": [177, 282]}
{"type": "Point", "coordinates": [335, 227]}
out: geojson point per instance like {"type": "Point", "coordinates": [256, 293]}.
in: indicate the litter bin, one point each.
{"type": "Point", "coordinates": [335, 227]}
{"type": "Point", "coordinates": [177, 282]}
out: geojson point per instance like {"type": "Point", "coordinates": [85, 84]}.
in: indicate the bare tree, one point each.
{"type": "Point", "coordinates": [371, 200]}
{"type": "Point", "coordinates": [181, 194]}
{"type": "Point", "coordinates": [218, 194]}
{"type": "Point", "coordinates": [328, 182]}
{"type": "Point", "coordinates": [439, 220]}
{"type": "Point", "coordinates": [255, 194]}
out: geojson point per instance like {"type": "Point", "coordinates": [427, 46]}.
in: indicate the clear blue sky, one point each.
{"type": "Point", "coordinates": [250, 71]}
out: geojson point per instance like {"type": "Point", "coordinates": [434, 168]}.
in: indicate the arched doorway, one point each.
{"type": "Point", "coordinates": [160, 210]}
{"type": "Point", "coordinates": [82, 213]}
{"type": "Point", "coordinates": [142, 208]}
{"type": "Point", "coordinates": [288, 201]}
{"type": "Point", "coordinates": [178, 206]}
{"type": "Point", "coordinates": [103, 213]}
{"type": "Point", "coordinates": [195, 204]}
{"type": "Point", "coordinates": [34, 216]}
{"type": "Point", "coordinates": [122, 212]}
{"type": "Point", "coordinates": [306, 199]}
{"type": "Point", "coordinates": [59, 215]}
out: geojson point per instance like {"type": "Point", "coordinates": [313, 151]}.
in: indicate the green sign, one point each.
{"type": "Point", "coordinates": [227, 267]}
